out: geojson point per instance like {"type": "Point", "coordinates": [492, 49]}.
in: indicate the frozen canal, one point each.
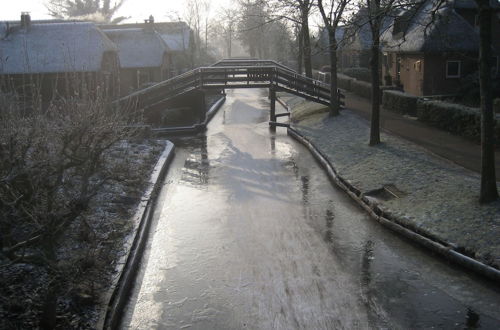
{"type": "Point", "coordinates": [250, 234]}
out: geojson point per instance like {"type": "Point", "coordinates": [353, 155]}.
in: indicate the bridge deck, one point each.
{"type": "Point", "coordinates": [232, 74]}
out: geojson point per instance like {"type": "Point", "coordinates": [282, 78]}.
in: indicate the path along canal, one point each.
{"type": "Point", "coordinates": [249, 233]}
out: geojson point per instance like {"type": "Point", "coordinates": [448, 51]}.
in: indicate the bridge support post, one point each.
{"type": "Point", "coordinates": [202, 107]}
{"type": "Point", "coordinates": [272, 97]}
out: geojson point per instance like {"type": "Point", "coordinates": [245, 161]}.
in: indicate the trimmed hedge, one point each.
{"type": "Point", "coordinates": [400, 102]}
{"type": "Point", "coordinates": [344, 81]}
{"type": "Point", "coordinates": [363, 74]}
{"type": "Point", "coordinates": [457, 119]}
{"type": "Point", "coordinates": [361, 88]}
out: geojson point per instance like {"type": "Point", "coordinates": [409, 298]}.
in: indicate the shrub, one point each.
{"type": "Point", "coordinates": [400, 102]}
{"type": "Point", "coordinates": [54, 161]}
{"type": "Point", "coordinates": [361, 88]}
{"type": "Point", "coordinates": [363, 74]}
{"type": "Point", "coordinates": [344, 81]}
{"type": "Point", "coordinates": [457, 119]}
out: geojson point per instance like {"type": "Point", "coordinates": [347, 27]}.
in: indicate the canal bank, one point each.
{"type": "Point", "coordinates": [405, 183]}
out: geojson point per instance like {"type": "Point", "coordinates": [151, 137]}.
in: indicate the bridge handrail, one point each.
{"type": "Point", "coordinates": [203, 76]}
{"type": "Point", "coordinates": [258, 62]}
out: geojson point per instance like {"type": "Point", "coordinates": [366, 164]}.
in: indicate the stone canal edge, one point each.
{"type": "Point", "coordinates": [117, 296]}
{"type": "Point", "coordinates": [392, 222]}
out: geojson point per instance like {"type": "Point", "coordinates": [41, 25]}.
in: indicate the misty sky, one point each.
{"type": "Point", "coordinates": [138, 10]}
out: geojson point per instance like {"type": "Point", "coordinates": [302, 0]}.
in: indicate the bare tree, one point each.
{"type": "Point", "coordinates": [252, 26]}
{"type": "Point", "coordinates": [53, 162]}
{"type": "Point", "coordinates": [377, 16]}
{"type": "Point", "coordinates": [197, 16]}
{"type": "Point", "coordinates": [331, 19]}
{"type": "Point", "coordinates": [298, 12]}
{"type": "Point", "coordinates": [86, 9]}
{"type": "Point", "coordinates": [228, 20]}
{"type": "Point", "coordinates": [305, 9]}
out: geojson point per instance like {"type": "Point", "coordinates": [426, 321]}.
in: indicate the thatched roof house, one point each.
{"type": "Point", "coordinates": [144, 56]}
{"type": "Point", "coordinates": [357, 39]}
{"type": "Point", "coordinates": [50, 58]}
{"type": "Point", "coordinates": [430, 48]}
{"type": "Point", "coordinates": [53, 48]}
{"type": "Point", "coordinates": [49, 50]}
{"type": "Point", "coordinates": [431, 32]}
{"type": "Point", "coordinates": [138, 48]}
{"type": "Point", "coordinates": [177, 36]}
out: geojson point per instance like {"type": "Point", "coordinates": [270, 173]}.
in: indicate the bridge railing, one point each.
{"type": "Point", "coordinates": [251, 62]}
{"type": "Point", "coordinates": [230, 77]}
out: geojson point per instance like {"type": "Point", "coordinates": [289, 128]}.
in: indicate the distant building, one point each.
{"type": "Point", "coordinates": [321, 53]}
{"type": "Point", "coordinates": [429, 54]}
{"type": "Point", "coordinates": [357, 40]}
{"type": "Point", "coordinates": [176, 36]}
{"type": "Point", "coordinates": [59, 58]}
{"type": "Point", "coordinates": [144, 57]}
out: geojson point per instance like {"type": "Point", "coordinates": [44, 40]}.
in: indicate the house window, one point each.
{"type": "Point", "coordinates": [452, 69]}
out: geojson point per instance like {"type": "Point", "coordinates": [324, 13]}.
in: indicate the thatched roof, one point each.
{"type": "Point", "coordinates": [358, 35]}
{"type": "Point", "coordinates": [138, 48]}
{"type": "Point", "coordinates": [177, 35]}
{"type": "Point", "coordinates": [52, 48]}
{"type": "Point", "coordinates": [444, 31]}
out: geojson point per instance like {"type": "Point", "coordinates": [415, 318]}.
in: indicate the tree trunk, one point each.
{"type": "Point", "coordinates": [299, 57]}
{"type": "Point", "coordinates": [307, 40]}
{"type": "Point", "coordinates": [229, 43]}
{"type": "Point", "coordinates": [332, 48]}
{"type": "Point", "coordinates": [489, 190]}
{"type": "Point", "coordinates": [375, 118]}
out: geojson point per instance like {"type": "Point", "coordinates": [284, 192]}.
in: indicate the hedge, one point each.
{"type": "Point", "coordinates": [344, 81]}
{"type": "Point", "coordinates": [361, 88]}
{"type": "Point", "coordinates": [363, 74]}
{"type": "Point", "coordinates": [400, 102]}
{"type": "Point", "coordinates": [454, 118]}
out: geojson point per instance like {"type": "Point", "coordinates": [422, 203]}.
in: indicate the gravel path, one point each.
{"type": "Point", "coordinates": [436, 196]}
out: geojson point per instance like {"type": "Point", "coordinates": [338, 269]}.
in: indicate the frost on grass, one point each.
{"type": "Point", "coordinates": [441, 198]}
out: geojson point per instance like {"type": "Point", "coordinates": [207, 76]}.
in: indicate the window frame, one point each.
{"type": "Point", "coordinates": [448, 75]}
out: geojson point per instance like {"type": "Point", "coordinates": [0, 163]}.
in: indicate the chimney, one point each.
{"type": "Point", "coordinates": [149, 23]}
{"type": "Point", "coordinates": [25, 19]}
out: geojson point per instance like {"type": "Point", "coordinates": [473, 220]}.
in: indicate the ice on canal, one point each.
{"type": "Point", "coordinates": [250, 234]}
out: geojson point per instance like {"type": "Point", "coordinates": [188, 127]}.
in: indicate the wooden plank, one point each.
{"type": "Point", "coordinates": [284, 114]}
{"type": "Point", "coordinates": [274, 123]}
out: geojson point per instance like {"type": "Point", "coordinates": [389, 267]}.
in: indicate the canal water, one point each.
{"type": "Point", "coordinates": [250, 234]}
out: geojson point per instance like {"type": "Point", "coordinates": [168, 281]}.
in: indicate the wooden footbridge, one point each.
{"type": "Point", "coordinates": [231, 73]}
